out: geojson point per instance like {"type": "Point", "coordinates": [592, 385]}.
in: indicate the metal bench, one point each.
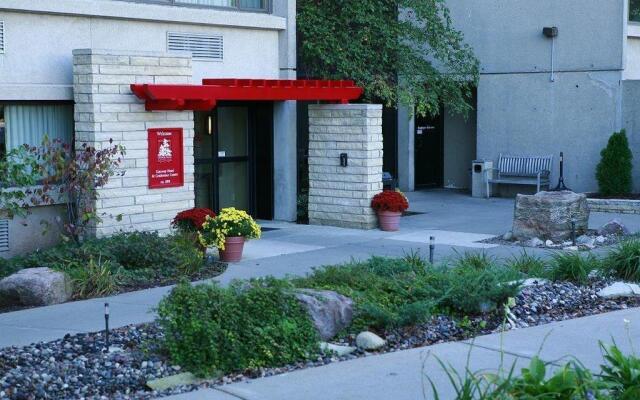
{"type": "Point", "coordinates": [520, 170]}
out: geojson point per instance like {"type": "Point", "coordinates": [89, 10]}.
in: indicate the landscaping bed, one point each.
{"type": "Point", "coordinates": [76, 367]}
{"type": "Point", "coordinates": [121, 263]}
{"type": "Point", "coordinates": [259, 328]}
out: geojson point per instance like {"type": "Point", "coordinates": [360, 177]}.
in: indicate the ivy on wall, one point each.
{"type": "Point", "coordinates": [401, 51]}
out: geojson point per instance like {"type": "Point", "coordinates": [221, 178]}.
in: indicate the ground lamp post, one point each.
{"type": "Point", "coordinates": [106, 326]}
{"type": "Point", "coordinates": [432, 248]}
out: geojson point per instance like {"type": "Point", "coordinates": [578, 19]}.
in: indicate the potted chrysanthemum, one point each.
{"type": "Point", "coordinates": [389, 206]}
{"type": "Point", "coordinates": [228, 232]}
{"type": "Point", "coordinates": [189, 223]}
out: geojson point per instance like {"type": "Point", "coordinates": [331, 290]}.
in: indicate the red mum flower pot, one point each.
{"type": "Point", "coordinates": [389, 220]}
{"type": "Point", "coordinates": [233, 247]}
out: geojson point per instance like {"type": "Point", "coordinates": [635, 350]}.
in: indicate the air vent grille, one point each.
{"type": "Point", "coordinates": [201, 46]}
{"type": "Point", "coordinates": [4, 235]}
{"type": "Point", "coordinates": [2, 37]}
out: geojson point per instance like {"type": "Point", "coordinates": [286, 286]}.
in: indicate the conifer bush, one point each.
{"type": "Point", "coordinates": [614, 170]}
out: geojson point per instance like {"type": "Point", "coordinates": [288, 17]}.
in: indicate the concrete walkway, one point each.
{"type": "Point", "coordinates": [402, 375]}
{"type": "Point", "coordinates": [457, 220]}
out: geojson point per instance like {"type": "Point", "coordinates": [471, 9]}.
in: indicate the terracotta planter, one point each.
{"type": "Point", "coordinates": [389, 220]}
{"type": "Point", "coordinates": [233, 247]}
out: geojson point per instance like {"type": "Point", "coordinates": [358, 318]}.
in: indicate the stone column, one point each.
{"type": "Point", "coordinates": [338, 195]}
{"type": "Point", "coordinates": [106, 110]}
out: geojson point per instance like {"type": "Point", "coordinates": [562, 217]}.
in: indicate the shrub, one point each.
{"type": "Point", "coordinates": [614, 170]}
{"type": "Point", "coordinates": [572, 266]}
{"type": "Point", "coordinates": [212, 330]}
{"type": "Point", "coordinates": [400, 292]}
{"type": "Point", "coordinates": [476, 284]}
{"type": "Point", "coordinates": [529, 265]}
{"type": "Point", "coordinates": [390, 200]}
{"type": "Point", "coordinates": [191, 220]}
{"type": "Point", "coordinates": [623, 261]}
{"type": "Point", "coordinates": [230, 222]}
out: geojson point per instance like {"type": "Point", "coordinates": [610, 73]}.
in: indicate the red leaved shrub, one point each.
{"type": "Point", "coordinates": [389, 200]}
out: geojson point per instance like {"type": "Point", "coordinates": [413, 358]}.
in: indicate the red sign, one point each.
{"type": "Point", "coordinates": [166, 161]}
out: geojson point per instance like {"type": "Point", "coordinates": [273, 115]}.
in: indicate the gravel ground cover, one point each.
{"type": "Point", "coordinates": [76, 367]}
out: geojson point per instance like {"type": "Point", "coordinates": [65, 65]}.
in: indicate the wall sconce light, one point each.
{"type": "Point", "coordinates": [210, 125]}
{"type": "Point", "coordinates": [551, 32]}
{"type": "Point", "coordinates": [344, 160]}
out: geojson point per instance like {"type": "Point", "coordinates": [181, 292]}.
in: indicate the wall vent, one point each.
{"type": "Point", "coordinates": [202, 47]}
{"type": "Point", "coordinates": [2, 36]}
{"type": "Point", "coordinates": [4, 235]}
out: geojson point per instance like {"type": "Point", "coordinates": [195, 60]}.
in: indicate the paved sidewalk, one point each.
{"type": "Point", "coordinates": [401, 375]}
{"type": "Point", "coordinates": [457, 220]}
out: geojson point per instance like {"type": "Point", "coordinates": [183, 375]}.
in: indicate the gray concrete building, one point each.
{"type": "Point", "coordinates": [537, 95]}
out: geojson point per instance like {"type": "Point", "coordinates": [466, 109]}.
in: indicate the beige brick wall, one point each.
{"type": "Point", "coordinates": [106, 109]}
{"type": "Point", "coordinates": [341, 196]}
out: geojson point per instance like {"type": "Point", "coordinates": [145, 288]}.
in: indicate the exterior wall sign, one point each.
{"type": "Point", "coordinates": [166, 161]}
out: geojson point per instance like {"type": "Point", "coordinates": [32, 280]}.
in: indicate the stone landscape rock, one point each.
{"type": "Point", "coordinates": [340, 351]}
{"type": "Point", "coordinates": [535, 242]}
{"type": "Point", "coordinates": [620, 289]}
{"type": "Point", "coordinates": [549, 243]}
{"type": "Point", "coordinates": [507, 236]}
{"type": "Point", "coordinates": [369, 341]}
{"type": "Point", "coordinates": [35, 287]}
{"type": "Point", "coordinates": [613, 227]}
{"type": "Point", "coordinates": [586, 240]}
{"type": "Point", "coordinates": [330, 312]}
{"type": "Point", "coordinates": [168, 382]}
{"type": "Point", "coordinates": [548, 215]}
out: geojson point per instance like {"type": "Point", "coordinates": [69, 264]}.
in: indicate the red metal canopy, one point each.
{"type": "Point", "coordinates": [205, 97]}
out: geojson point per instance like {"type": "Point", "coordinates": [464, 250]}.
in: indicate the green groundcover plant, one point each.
{"type": "Point", "coordinates": [212, 330]}
{"type": "Point", "coordinates": [399, 292]}
{"type": "Point", "coordinates": [623, 262]}
{"type": "Point", "coordinates": [102, 266]}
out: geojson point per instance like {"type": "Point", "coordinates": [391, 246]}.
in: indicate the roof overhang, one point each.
{"type": "Point", "coordinates": [204, 97]}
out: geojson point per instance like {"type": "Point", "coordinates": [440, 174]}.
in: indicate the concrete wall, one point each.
{"type": "Point", "coordinates": [40, 37]}
{"type": "Point", "coordinates": [39, 235]}
{"type": "Point", "coordinates": [459, 149]}
{"type": "Point", "coordinates": [520, 110]}
{"type": "Point", "coordinates": [631, 107]}
{"type": "Point", "coordinates": [107, 110]}
{"type": "Point", "coordinates": [338, 195]}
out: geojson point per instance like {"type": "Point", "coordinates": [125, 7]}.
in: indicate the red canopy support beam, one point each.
{"type": "Point", "coordinates": [206, 96]}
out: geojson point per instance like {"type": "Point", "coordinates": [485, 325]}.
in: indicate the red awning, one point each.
{"type": "Point", "coordinates": [205, 97]}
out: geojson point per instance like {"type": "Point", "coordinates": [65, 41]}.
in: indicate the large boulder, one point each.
{"type": "Point", "coordinates": [330, 312]}
{"type": "Point", "coordinates": [35, 287]}
{"type": "Point", "coordinates": [548, 215]}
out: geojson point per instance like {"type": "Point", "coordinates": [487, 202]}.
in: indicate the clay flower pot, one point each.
{"type": "Point", "coordinates": [233, 246]}
{"type": "Point", "coordinates": [389, 220]}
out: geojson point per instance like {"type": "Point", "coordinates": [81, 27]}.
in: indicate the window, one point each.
{"type": "Point", "coordinates": [248, 5]}
{"type": "Point", "coordinates": [634, 10]}
{"type": "Point", "coordinates": [28, 123]}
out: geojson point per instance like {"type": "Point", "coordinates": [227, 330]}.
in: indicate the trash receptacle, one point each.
{"type": "Point", "coordinates": [478, 184]}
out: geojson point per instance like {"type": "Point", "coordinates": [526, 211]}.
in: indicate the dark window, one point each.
{"type": "Point", "coordinates": [634, 10]}
{"type": "Point", "coordinates": [248, 5]}
{"type": "Point", "coordinates": [3, 146]}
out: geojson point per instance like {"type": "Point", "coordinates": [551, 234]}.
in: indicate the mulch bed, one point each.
{"type": "Point", "coordinates": [75, 366]}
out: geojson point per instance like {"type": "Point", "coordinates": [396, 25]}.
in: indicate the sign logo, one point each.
{"type": "Point", "coordinates": [166, 161]}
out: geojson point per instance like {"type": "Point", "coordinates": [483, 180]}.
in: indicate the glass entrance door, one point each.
{"type": "Point", "coordinates": [232, 152]}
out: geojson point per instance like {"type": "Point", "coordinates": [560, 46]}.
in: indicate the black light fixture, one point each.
{"type": "Point", "coordinates": [344, 160]}
{"type": "Point", "coordinates": [432, 248]}
{"type": "Point", "coordinates": [550, 31]}
{"type": "Point", "coordinates": [106, 327]}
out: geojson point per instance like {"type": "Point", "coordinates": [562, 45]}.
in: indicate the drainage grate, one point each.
{"type": "Point", "coordinates": [266, 229]}
{"type": "Point", "coordinates": [411, 213]}
{"type": "Point", "coordinates": [201, 46]}
{"type": "Point", "coordinates": [4, 235]}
